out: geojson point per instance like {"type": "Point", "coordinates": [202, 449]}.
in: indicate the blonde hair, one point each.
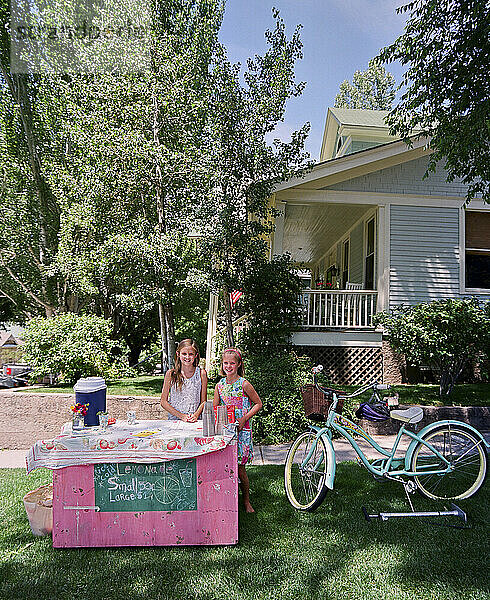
{"type": "Point", "coordinates": [176, 377]}
{"type": "Point", "coordinates": [241, 369]}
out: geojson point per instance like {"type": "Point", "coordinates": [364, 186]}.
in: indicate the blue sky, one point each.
{"type": "Point", "coordinates": [339, 37]}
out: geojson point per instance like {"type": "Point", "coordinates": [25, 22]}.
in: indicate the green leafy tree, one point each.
{"type": "Point", "coordinates": [243, 166]}
{"type": "Point", "coordinates": [30, 210]}
{"type": "Point", "coordinates": [123, 240]}
{"type": "Point", "coordinates": [73, 346]}
{"type": "Point", "coordinates": [447, 334]}
{"type": "Point", "coordinates": [272, 305]}
{"type": "Point", "coordinates": [446, 86]}
{"type": "Point", "coordinates": [373, 88]}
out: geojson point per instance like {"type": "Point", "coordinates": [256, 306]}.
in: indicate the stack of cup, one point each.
{"type": "Point", "coordinates": [208, 420]}
{"type": "Point", "coordinates": [221, 420]}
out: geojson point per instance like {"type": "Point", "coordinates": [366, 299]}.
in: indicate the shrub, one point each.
{"type": "Point", "coordinates": [447, 334]}
{"type": "Point", "coordinates": [277, 379]}
{"type": "Point", "coordinates": [73, 346]}
{"type": "Point", "coordinates": [272, 304]}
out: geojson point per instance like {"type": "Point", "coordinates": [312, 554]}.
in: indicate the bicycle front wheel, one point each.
{"type": "Point", "coordinates": [468, 463]}
{"type": "Point", "coordinates": [305, 481]}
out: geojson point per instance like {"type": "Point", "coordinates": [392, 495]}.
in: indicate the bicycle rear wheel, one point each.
{"type": "Point", "coordinates": [305, 483]}
{"type": "Point", "coordinates": [468, 459]}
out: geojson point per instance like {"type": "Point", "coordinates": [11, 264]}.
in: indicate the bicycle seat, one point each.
{"type": "Point", "coordinates": [414, 414]}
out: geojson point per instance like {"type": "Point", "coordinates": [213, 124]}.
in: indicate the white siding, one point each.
{"type": "Point", "coordinates": [424, 254]}
{"type": "Point", "coordinates": [406, 178]}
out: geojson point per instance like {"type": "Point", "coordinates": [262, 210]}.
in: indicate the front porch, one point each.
{"type": "Point", "coordinates": [339, 309]}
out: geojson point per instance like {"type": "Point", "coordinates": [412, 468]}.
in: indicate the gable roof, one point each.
{"type": "Point", "coordinates": [8, 339]}
{"type": "Point", "coordinates": [335, 170]}
{"type": "Point", "coordinates": [360, 117]}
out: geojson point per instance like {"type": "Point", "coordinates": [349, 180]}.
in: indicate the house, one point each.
{"type": "Point", "coordinates": [9, 348]}
{"type": "Point", "coordinates": [374, 234]}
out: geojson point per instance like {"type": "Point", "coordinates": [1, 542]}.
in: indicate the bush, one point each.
{"type": "Point", "coordinates": [277, 379]}
{"type": "Point", "coordinates": [446, 334]}
{"type": "Point", "coordinates": [272, 304]}
{"type": "Point", "coordinates": [73, 346]}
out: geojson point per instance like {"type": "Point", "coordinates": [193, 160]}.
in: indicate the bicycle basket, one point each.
{"type": "Point", "coordinates": [317, 404]}
{"type": "Point", "coordinates": [373, 411]}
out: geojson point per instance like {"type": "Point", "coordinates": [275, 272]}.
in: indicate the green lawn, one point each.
{"type": "Point", "coordinates": [463, 395]}
{"type": "Point", "coordinates": [147, 385]}
{"type": "Point", "coordinates": [282, 554]}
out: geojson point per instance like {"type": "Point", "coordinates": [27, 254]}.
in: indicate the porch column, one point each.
{"type": "Point", "coordinates": [277, 239]}
{"type": "Point", "coordinates": [383, 272]}
{"type": "Point", "coordinates": [212, 326]}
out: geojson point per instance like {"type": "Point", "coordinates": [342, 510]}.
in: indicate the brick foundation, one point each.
{"type": "Point", "coordinates": [394, 365]}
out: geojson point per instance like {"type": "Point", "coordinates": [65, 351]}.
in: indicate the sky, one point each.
{"type": "Point", "coordinates": [339, 37]}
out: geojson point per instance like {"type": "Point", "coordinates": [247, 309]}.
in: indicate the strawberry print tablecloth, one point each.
{"type": "Point", "coordinates": [144, 442]}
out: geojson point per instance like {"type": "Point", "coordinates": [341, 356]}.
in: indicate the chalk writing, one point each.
{"type": "Point", "coordinates": [132, 487]}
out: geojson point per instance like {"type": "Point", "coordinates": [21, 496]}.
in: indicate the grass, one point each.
{"type": "Point", "coordinates": [146, 385]}
{"type": "Point", "coordinates": [422, 394]}
{"type": "Point", "coordinates": [282, 554]}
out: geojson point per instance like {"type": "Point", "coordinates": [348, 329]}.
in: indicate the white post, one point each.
{"type": "Point", "coordinates": [383, 259]}
{"type": "Point", "coordinates": [212, 327]}
{"type": "Point", "coordinates": [278, 235]}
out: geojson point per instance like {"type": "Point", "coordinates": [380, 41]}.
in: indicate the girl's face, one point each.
{"type": "Point", "coordinates": [231, 362]}
{"type": "Point", "coordinates": [187, 355]}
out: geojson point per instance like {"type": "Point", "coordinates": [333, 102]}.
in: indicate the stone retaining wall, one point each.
{"type": "Point", "coordinates": [26, 417]}
{"type": "Point", "coordinates": [477, 416]}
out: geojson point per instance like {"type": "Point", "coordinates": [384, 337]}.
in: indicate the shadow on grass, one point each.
{"type": "Point", "coordinates": [282, 553]}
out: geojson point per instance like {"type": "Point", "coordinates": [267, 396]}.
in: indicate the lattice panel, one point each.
{"type": "Point", "coordinates": [347, 366]}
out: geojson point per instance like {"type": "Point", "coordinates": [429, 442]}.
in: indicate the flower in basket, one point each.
{"type": "Point", "coordinates": [79, 409]}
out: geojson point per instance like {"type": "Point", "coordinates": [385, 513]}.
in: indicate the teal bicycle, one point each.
{"type": "Point", "coordinates": [446, 460]}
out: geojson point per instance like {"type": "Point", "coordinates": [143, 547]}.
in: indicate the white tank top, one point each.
{"type": "Point", "coordinates": [188, 398]}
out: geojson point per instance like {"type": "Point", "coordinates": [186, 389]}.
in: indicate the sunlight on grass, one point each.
{"type": "Point", "coordinates": [282, 554]}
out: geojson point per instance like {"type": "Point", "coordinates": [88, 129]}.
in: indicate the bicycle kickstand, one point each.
{"type": "Point", "coordinates": [408, 486]}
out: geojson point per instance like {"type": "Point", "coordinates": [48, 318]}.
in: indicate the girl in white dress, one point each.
{"type": "Point", "coordinates": [185, 386]}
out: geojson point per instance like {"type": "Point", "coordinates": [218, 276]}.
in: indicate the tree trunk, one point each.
{"type": "Point", "coordinates": [163, 337]}
{"type": "Point", "coordinates": [169, 325]}
{"type": "Point", "coordinates": [230, 338]}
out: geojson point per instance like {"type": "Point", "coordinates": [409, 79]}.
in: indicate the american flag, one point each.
{"type": "Point", "coordinates": [235, 296]}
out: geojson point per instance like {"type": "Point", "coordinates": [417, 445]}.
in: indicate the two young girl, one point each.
{"type": "Point", "coordinates": [184, 394]}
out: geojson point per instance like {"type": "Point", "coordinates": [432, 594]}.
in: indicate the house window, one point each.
{"type": "Point", "coordinates": [345, 263]}
{"type": "Point", "coordinates": [477, 250]}
{"type": "Point", "coordinates": [370, 258]}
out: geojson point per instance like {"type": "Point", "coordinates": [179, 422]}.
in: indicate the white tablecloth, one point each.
{"type": "Point", "coordinates": [144, 442]}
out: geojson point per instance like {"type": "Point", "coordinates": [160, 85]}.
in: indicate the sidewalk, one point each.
{"type": "Point", "coordinates": [263, 455]}
{"type": "Point", "coordinates": [276, 455]}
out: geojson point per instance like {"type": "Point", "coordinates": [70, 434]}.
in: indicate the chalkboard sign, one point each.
{"type": "Point", "coordinates": [132, 487]}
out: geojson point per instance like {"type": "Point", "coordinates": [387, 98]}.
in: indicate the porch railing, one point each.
{"type": "Point", "coordinates": [339, 308]}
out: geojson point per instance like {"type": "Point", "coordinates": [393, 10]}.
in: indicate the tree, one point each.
{"type": "Point", "coordinates": [446, 86]}
{"type": "Point", "coordinates": [447, 334]}
{"type": "Point", "coordinates": [272, 304]}
{"type": "Point", "coordinates": [243, 167]}
{"type": "Point", "coordinates": [122, 160]}
{"type": "Point", "coordinates": [72, 346]}
{"type": "Point", "coordinates": [373, 88]}
{"type": "Point", "coordinates": [30, 211]}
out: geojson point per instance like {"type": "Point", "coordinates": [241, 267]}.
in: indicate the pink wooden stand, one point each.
{"type": "Point", "coordinates": [78, 521]}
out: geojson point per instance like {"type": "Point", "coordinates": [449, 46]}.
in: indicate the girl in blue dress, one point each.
{"type": "Point", "coordinates": [234, 390]}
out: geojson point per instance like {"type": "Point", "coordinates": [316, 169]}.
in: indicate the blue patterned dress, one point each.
{"type": "Point", "coordinates": [232, 394]}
